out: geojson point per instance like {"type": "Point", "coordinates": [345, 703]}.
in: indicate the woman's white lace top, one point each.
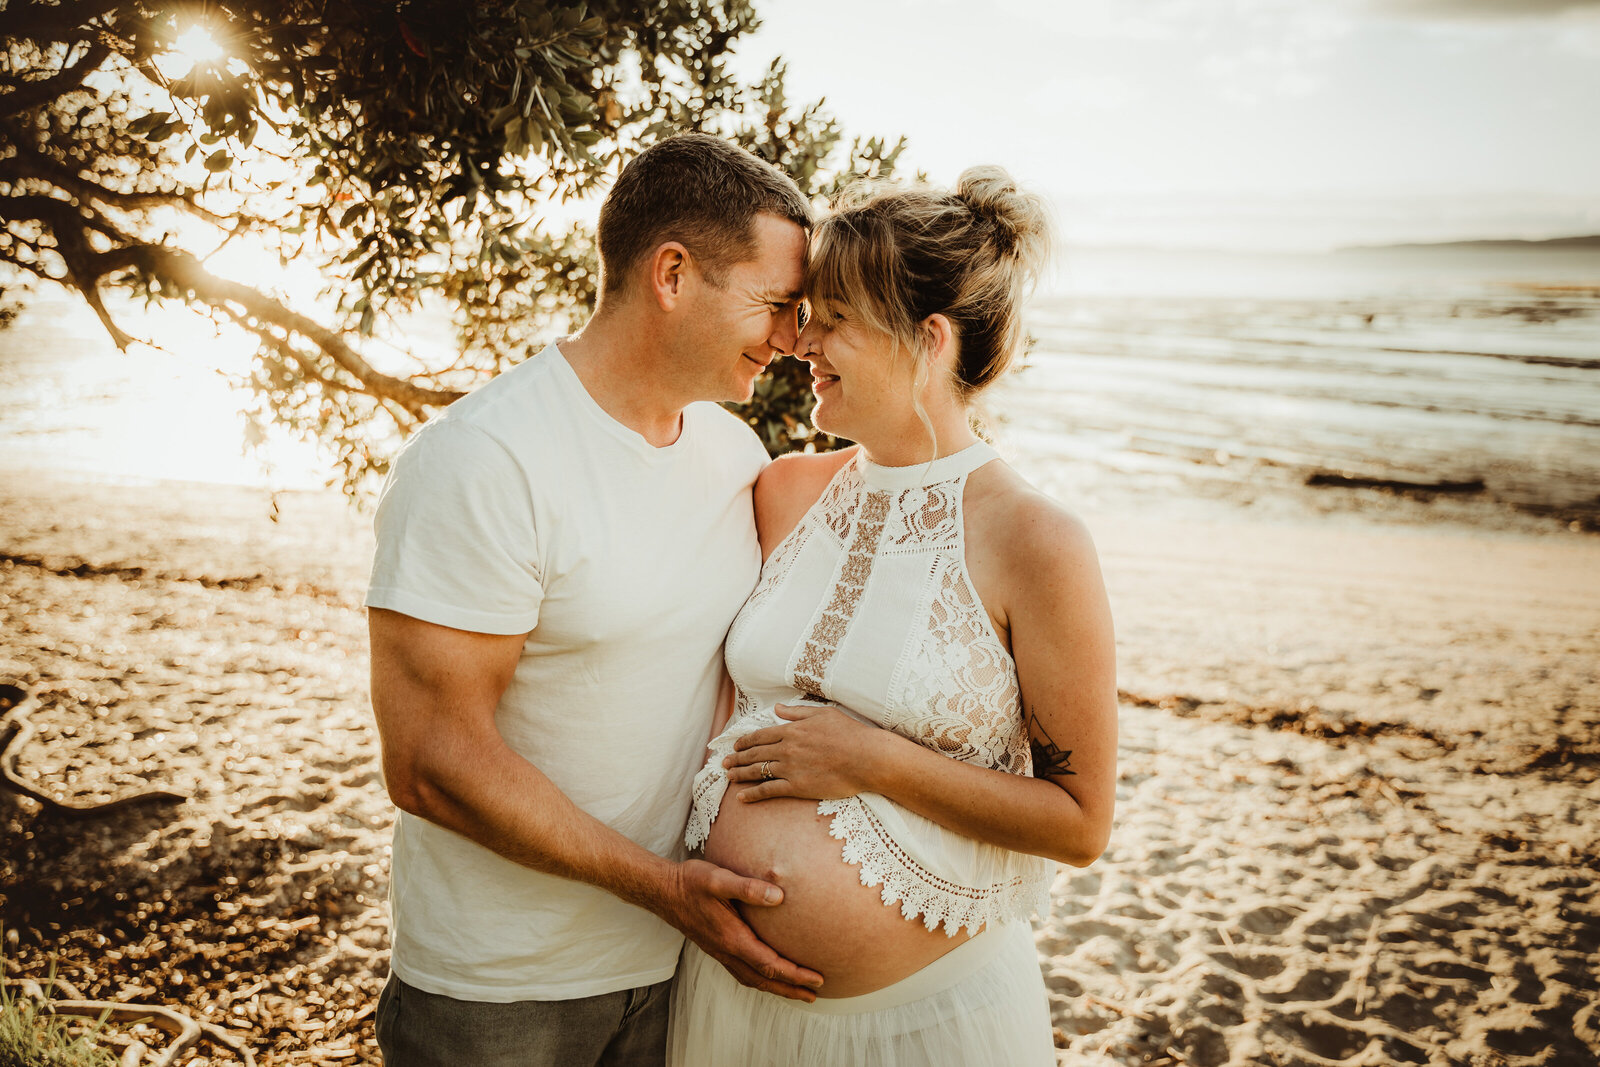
{"type": "Point", "coordinates": [867, 604]}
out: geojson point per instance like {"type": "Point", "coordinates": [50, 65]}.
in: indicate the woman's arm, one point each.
{"type": "Point", "coordinates": [1061, 639]}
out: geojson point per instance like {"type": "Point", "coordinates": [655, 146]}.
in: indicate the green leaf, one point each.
{"type": "Point", "coordinates": [145, 123]}
{"type": "Point", "coordinates": [219, 161]}
{"type": "Point", "coordinates": [516, 142]}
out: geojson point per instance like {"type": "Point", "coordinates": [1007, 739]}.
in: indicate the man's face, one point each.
{"type": "Point", "coordinates": [752, 318]}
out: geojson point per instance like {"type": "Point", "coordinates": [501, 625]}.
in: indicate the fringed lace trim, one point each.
{"type": "Point", "coordinates": [919, 891]}
{"type": "Point", "coordinates": [708, 790]}
{"type": "Point", "coordinates": [709, 786]}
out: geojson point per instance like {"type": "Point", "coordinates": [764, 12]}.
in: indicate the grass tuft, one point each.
{"type": "Point", "coordinates": [32, 1037]}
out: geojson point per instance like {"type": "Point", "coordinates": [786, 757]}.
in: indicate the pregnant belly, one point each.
{"type": "Point", "coordinates": [828, 920]}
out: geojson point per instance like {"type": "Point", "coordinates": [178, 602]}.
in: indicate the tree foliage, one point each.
{"type": "Point", "coordinates": [412, 151]}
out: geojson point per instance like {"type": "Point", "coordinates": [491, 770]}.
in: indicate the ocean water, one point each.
{"type": "Point", "coordinates": [1181, 382]}
{"type": "Point", "coordinates": [71, 403]}
{"type": "Point", "coordinates": [1459, 384]}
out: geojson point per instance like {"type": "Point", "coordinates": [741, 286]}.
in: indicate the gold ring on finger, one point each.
{"type": "Point", "coordinates": [766, 770]}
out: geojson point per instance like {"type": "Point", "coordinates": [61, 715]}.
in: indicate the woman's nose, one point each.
{"type": "Point", "coordinates": [809, 344]}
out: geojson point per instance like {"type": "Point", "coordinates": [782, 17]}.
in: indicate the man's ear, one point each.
{"type": "Point", "coordinates": [669, 271]}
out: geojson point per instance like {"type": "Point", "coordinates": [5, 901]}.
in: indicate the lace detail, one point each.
{"type": "Point", "coordinates": [742, 706]}
{"type": "Point", "coordinates": [838, 497]}
{"type": "Point", "coordinates": [959, 693]}
{"type": "Point", "coordinates": [883, 862]}
{"type": "Point", "coordinates": [708, 792]}
{"type": "Point", "coordinates": [927, 517]}
{"type": "Point", "coordinates": [712, 780]}
{"type": "Point", "coordinates": [835, 620]}
{"type": "Point", "coordinates": [839, 500]}
{"type": "Point", "coordinates": [776, 568]}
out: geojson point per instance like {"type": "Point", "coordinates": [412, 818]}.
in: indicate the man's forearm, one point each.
{"type": "Point", "coordinates": [487, 793]}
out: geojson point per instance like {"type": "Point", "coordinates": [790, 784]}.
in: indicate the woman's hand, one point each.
{"type": "Point", "coordinates": [819, 754]}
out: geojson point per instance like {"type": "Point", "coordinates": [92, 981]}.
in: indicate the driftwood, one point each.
{"type": "Point", "coordinates": [1394, 485]}
{"type": "Point", "coordinates": [16, 730]}
{"type": "Point", "coordinates": [1120, 1009]}
{"type": "Point", "coordinates": [185, 1029]}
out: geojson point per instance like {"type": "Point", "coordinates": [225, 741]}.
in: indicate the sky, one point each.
{"type": "Point", "coordinates": [1253, 124]}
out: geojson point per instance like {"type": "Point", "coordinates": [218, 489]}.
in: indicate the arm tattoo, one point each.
{"type": "Point", "coordinates": [1048, 759]}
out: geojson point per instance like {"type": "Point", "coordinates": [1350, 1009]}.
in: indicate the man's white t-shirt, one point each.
{"type": "Point", "coordinates": [525, 507]}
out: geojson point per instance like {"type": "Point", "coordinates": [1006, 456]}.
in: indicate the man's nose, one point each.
{"type": "Point", "coordinates": [786, 338]}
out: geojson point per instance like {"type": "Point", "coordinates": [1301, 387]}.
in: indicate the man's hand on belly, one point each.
{"type": "Point", "coordinates": [700, 900]}
{"type": "Point", "coordinates": [435, 691]}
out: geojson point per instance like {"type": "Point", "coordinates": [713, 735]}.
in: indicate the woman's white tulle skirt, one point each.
{"type": "Point", "coordinates": [982, 1004]}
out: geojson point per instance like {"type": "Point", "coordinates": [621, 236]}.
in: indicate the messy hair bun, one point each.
{"type": "Point", "coordinates": [896, 255]}
{"type": "Point", "coordinates": [1021, 225]}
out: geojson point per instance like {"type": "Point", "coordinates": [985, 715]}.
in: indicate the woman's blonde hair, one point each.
{"type": "Point", "coordinates": [889, 257]}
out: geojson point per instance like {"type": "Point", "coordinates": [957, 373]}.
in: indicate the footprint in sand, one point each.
{"type": "Point", "coordinates": [1326, 1036]}
{"type": "Point", "coordinates": [1268, 920]}
{"type": "Point", "coordinates": [1257, 965]}
{"type": "Point", "coordinates": [1312, 985]}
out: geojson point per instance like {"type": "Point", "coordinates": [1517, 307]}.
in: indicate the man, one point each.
{"type": "Point", "coordinates": [559, 557]}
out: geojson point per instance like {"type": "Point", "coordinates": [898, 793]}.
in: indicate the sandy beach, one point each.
{"type": "Point", "coordinates": [1355, 818]}
{"type": "Point", "coordinates": [1355, 812]}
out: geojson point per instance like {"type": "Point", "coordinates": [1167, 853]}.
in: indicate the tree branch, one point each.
{"type": "Point", "coordinates": [404, 418]}
{"type": "Point", "coordinates": [29, 162]}
{"type": "Point", "coordinates": [184, 270]}
{"type": "Point", "coordinates": [33, 94]}
{"type": "Point", "coordinates": [45, 25]}
{"type": "Point", "coordinates": [69, 226]}
{"type": "Point", "coordinates": [68, 222]}
{"type": "Point", "coordinates": [282, 343]}
{"type": "Point", "coordinates": [39, 252]}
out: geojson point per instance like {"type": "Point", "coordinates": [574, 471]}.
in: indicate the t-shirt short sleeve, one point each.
{"type": "Point", "coordinates": [755, 450]}
{"type": "Point", "coordinates": [456, 540]}
{"type": "Point", "coordinates": [740, 440]}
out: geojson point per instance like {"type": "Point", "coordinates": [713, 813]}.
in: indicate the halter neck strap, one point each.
{"type": "Point", "coordinates": [944, 469]}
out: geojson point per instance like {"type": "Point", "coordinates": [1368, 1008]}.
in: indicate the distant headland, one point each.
{"type": "Point", "coordinates": [1589, 243]}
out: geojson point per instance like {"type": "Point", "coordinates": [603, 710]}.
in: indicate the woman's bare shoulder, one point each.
{"type": "Point", "coordinates": [789, 486]}
{"type": "Point", "coordinates": [1033, 534]}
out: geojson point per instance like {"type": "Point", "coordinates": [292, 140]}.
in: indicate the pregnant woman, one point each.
{"type": "Point", "coordinates": [924, 712]}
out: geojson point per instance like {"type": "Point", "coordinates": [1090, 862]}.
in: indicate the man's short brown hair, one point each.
{"type": "Point", "coordinates": [700, 191]}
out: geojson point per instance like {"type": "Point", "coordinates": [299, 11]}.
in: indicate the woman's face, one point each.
{"type": "Point", "coordinates": [861, 382]}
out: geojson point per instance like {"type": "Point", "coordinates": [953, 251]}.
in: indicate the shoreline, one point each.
{"type": "Point", "coordinates": [1353, 797]}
